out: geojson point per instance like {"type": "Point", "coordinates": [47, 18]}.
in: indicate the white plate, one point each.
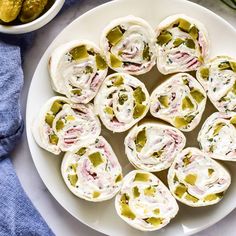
{"type": "Point", "coordinates": [102, 216]}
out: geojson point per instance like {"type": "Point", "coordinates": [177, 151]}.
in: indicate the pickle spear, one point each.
{"type": "Point", "coordinates": [31, 9]}
{"type": "Point", "coordinates": [9, 9]}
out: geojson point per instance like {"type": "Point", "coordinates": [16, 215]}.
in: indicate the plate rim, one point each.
{"type": "Point", "coordinates": [28, 122]}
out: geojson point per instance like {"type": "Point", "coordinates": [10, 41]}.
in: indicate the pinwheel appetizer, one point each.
{"type": "Point", "coordinates": [182, 44]}
{"type": "Point", "coordinates": [92, 172]}
{"type": "Point", "coordinates": [217, 136]}
{"type": "Point", "coordinates": [129, 45]}
{"type": "Point", "coordinates": [180, 101]}
{"type": "Point", "coordinates": [144, 202]}
{"type": "Point", "coordinates": [152, 146]}
{"type": "Point", "coordinates": [121, 102]}
{"type": "Point", "coordinates": [64, 126]}
{"type": "Point", "coordinates": [218, 78]}
{"type": "Point", "coordinates": [77, 70]}
{"type": "Point", "coordinates": [197, 180]}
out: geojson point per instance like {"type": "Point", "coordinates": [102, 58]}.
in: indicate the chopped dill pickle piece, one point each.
{"type": "Point", "coordinates": [180, 190]}
{"type": "Point", "coordinates": [158, 154]}
{"type": "Point", "coordinates": [154, 221]}
{"type": "Point", "coordinates": [79, 53]}
{"type": "Point", "coordinates": [118, 178]}
{"type": "Point", "coordinates": [124, 199]}
{"type": "Point", "coordinates": [234, 88]}
{"type": "Point", "coordinates": [139, 95]}
{"type": "Point", "coordinates": [115, 62]}
{"type": "Point", "coordinates": [180, 122]}
{"type": "Point", "coordinates": [164, 38]}
{"type": "Point", "coordinates": [177, 42]}
{"type": "Point", "coordinates": [136, 193]}
{"type": "Point", "coordinates": [115, 35]}
{"type": "Point", "coordinates": [191, 179]}
{"type": "Point", "coordinates": [146, 53]}
{"type": "Point", "coordinates": [224, 65]}
{"type": "Point", "coordinates": [122, 99]}
{"type": "Point", "coordinates": [56, 107]}
{"type": "Point", "coordinates": [49, 119]}
{"type": "Point", "coordinates": [186, 159]}
{"type": "Point", "coordinates": [156, 211]}
{"type": "Point", "coordinates": [190, 43]}
{"type": "Point", "coordinates": [164, 101]}
{"type": "Point", "coordinates": [96, 194]}
{"type": "Point", "coordinates": [150, 191]}
{"type": "Point", "coordinates": [191, 198]}
{"type": "Point", "coordinates": [60, 125]}
{"type": "Point", "coordinates": [126, 211]}
{"type": "Point", "coordinates": [217, 128]}
{"type": "Point", "coordinates": [73, 179]}
{"type": "Point", "coordinates": [140, 140]}
{"type": "Point", "coordinates": [70, 118]}
{"type": "Point", "coordinates": [74, 166]}
{"type": "Point", "coordinates": [233, 120]}
{"type": "Point", "coordinates": [197, 95]}
{"type": "Point", "coordinates": [141, 177]}
{"type": "Point", "coordinates": [118, 80]}
{"type": "Point", "coordinates": [81, 151]}
{"type": "Point", "coordinates": [233, 65]}
{"type": "Point", "coordinates": [210, 171]}
{"type": "Point", "coordinates": [88, 70]}
{"type": "Point", "coordinates": [194, 32]}
{"type": "Point", "coordinates": [204, 73]}
{"type": "Point", "coordinates": [77, 92]}
{"type": "Point", "coordinates": [139, 109]}
{"type": "Point", "coordinates": [212, 197]}
{"type": "Point", "coordinates": [100, 62]}
{"type": "Point", "coordinates": [96, 159]}
{"type": "Point", "coordinates": [184, 25]}
{"type": "Point", "coordinates": [189, 118]}
{"type": "Point", "coordinates": [187, 103]}
{"type": "Point", "coordinates": [109, 110]}
{"type": "Point", "coordinates": [53, 139]}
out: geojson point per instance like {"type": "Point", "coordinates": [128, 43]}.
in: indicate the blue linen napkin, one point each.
{"type": "Point", "coordinates": [17, 213]}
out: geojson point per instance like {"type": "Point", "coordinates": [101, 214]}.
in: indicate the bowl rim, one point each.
{"type": "Point", "coordinates": [35, 24]}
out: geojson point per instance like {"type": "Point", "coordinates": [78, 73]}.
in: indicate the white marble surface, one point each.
{"type": "Point", "coordinates": [61, 222]}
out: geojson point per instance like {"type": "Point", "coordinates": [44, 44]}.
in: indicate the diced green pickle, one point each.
{"type": "Point", "coordinates": [88, 70]}
{"type": "Point", "coordinates": [233, 120]}
{"type": "Point", "coordinates": [139, 110]}
{"type": "Point", "coordinates": [96, 159]}
{"type": "Point", "coordinates": [150, 191]}
{"type": "Point", "coordinates": [180, 190]}
{"type": "Point", "coordinates": [124, 199]}
{"type": "Point", "coordinates": [177, 42]}
{"type": "Point", "coordinates": [73, 179]}
{"type": "Point", "coordinates": [217, 128]}
{"type": "Point", "coordinates": [204, 73]}
{"type": "Point", "coordinates": [191, 198]}
{"type": "Point", "coordinates": [79, 53]}
{"type": "Point", "coordinates": [154, 221]}
{"type": "Point", "coordinates": [53, 139]}
{"type": "Point", "coordinates": [164, 38]}
{"type": "Point", "coordinates": [115, 35]}
{"type": "Point", "coordinates": [118, 80]}
{"type": "Point", "coordinates": [136, 192]}
{"type": "Point", "coordinates": [96, 194]}
{"type": "Point", "coordinates": [115, 62]}
{"type": "Point", "coordinates": [49, 119]}
{"type": "Point", "coordinates": [109, 110]}
{"type": "Point", "coordinates": [212, 197]}
{"type": "Point", "coordinates": [197, 95]}
{"type": "Point", "coordinates": [60, 125]}
{"type": "Point", "coordinates": [122, 99]}
{"type": "Point", "coordinates": [180, 122]}
{"type": "Point", "coordinates": [233, 89]}
{"type": "Point", "coordinates": [210, 171]}
{"type": "Point", "coordinates": [146, 53]}
{"type": "Point", "coordinates": [224, 65]}
{"type": "Point", "coordinates": [139, 95]}
{"type": "Point", "coordinates": [74, 166]}
{"type": "Point", "coordinates": [126, 211]}
{"type": "Point", "coordinates": [118, 178]}
{"type": "Point", "coordinates": [143, 177]}
{"type": "Point", "coordinates": [156, 211]}
{"type": "Point", "coordinates": [186, 159]}
{"type": "Point", "coordinates": [233, 65]}
{"type": "Point", "coordinates": [56, 107]}
{"type": "Point", "coordinates": [190, 43]}
{"type": "Point", "coordinates": [184, 25]}
{"type": "Point", "coordinates": [140, 140]}
{"type": "Point", "coordinates": [187, 103]}
{"type": "Point", "coordinates": [194, 32]}
{"type": "Point", "coordinates": [158, 154]}
{"type": "Point", "coordinates": [191, 179]}
{"type": "Point", "coordinates": [69, 118]}
{"type": "Point", "coordinates": [81, 151]}
{"type": "Point", "coordinates": [100, 62]}
{"type": "Point", "coordinates": [164, 101]}
{"type": "Point", "coordinates": [77, 92]}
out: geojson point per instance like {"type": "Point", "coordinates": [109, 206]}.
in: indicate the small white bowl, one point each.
{"type": "Point", "coordinates": [35, 24]}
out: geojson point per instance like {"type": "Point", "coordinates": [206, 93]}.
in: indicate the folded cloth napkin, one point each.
{"type": "Point", "coordinates": [17, 213]}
